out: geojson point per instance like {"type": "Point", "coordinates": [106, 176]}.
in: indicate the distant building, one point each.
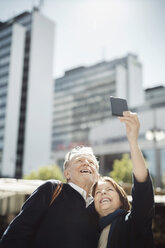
{"type": "Point", "coordinates": [82, 114]}
{"type": "Point", "coordinates": [26, 63]}
{"type": "Point", "coordinates": [155, 96]}
{"type": "Point", "coordinates": [81, 99]}
{"type": "Point", "coordinates": [109, 139]}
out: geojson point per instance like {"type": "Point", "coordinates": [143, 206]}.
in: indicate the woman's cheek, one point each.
{"type": "Point", "coordinates": [96, 202]}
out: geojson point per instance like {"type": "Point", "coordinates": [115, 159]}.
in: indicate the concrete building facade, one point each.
{"type": "Point", "coordinates": [26, 84]}
{"type": "Point", "coordinates": [82, 114]}
{"type": "Point", "coordinates": [81, 99]}
{"type": "Point", "coordinates": [110, 142]}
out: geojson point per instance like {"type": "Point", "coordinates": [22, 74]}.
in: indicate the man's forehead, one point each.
{"type": "Point", "coordinates": [82, 156]}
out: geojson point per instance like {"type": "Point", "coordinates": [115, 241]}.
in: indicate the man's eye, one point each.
{"type": "Point", "coordinates": [92, 164]}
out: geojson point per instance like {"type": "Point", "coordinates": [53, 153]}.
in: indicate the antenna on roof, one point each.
{"type": "Point", "coordinates": [40, 5]}
{"type": "Point", "coordinates": [103, 53]}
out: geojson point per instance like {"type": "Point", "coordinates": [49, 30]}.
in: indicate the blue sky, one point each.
{"type": "Point", "coordinates": [88, 31]}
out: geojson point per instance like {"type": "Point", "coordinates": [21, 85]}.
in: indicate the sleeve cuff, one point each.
{"type": "Point", "coordinates": [142, 185]}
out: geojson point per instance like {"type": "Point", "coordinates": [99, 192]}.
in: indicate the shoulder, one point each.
{"type": "Point", "coordinates": [49, 184]}
{"type": "Point", "coordinates": [46, 188]}
{"type": "Point", "coordinates": [43, 193]}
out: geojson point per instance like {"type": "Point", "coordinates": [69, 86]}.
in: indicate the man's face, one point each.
{"type": "Point", "coordinates": [82, 170]}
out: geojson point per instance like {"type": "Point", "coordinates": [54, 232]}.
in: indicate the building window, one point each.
{"type": "Point", "coordinates": [5, 51]}
{"type": "Point", "coordinates": [5, 41]}
{"type": "Point", "coordinates": [4, 60]}
{"type": "Point", "coordinates": [6, 31]}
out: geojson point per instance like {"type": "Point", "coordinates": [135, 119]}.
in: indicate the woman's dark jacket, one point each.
{"type": "Point", "coordinates": [67, 223]}
{"type": "Point", "coordinates": [134, 229]}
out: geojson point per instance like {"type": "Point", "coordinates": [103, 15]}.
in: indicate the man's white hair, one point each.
{"type": "Point", "coordinates": [80, 150]}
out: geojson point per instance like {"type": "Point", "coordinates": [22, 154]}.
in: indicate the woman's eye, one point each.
{"type": "Point", "coordinates": [110, 189]}
{"type": "Point", "coordinates": [97, 192]}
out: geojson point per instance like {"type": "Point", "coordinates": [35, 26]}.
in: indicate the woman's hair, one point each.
{"type": "Point", "coordinates": [80, 150]}
{"type": "Point", "coordinates": [122, 194]}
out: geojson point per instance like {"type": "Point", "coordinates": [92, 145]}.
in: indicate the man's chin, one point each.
{"type": "Point", "coordinates": [87, 179]}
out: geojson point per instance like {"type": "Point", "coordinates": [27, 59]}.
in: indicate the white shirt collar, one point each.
{"type": "Point", "coordinates": [83, 193]}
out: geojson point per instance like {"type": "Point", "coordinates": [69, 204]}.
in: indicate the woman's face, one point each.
{"type": "Point", "coordinates": [106, 198]}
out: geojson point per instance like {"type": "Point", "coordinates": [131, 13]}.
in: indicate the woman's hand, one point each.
{"type": "Point", "coordinates": [132, 126]}
{"type": "Point", "coordinates": [132, 129]}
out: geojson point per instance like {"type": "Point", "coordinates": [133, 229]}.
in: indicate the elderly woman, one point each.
{"type": "Point", "coordinates": [120, 225]}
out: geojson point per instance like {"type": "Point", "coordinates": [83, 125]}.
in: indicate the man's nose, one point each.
{"type": "Point", "coordinates": [86, 162]}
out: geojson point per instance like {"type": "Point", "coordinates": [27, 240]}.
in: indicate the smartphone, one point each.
{"type": "Point", "coordinates": [118, 105]}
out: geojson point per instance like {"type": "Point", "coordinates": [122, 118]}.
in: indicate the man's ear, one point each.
{"type": "Point", "coordinates": [67, 174]}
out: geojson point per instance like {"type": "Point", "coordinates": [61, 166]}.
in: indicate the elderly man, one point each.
{"type": "Point", "coordinates": [70, 221]}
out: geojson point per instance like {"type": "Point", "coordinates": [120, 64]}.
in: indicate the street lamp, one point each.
{"type": "Point", "coordinates": [155, 134]}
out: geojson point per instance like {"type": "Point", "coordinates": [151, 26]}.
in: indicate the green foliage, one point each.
{"type": "Point", "coordinates": [122, 169]}
{"type": "Point", "coordinates": [46, 172]}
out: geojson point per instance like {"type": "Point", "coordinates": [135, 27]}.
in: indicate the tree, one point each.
{"type": "Point", "coordinates": [46, 172]}
{"type": "Point", "coordinates": [122, 169]}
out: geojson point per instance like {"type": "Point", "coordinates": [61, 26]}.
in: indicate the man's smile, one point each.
{"type": "Point", "coordinates": [86, 171]}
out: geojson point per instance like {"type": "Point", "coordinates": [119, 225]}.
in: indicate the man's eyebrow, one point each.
{"type": "Point", "coordinates": [79, 158]}
{"type": "Point", "coordinates": [90, 159]}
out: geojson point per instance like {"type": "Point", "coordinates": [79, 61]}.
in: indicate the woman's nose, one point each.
{"type": "Point", "coordinates": [103, 192]}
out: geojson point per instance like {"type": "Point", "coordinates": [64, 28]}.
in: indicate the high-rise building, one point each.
{"type": "Point", "coordinates": [81, 99]}
{"type": "Point", "coordinates": [26, 63]}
